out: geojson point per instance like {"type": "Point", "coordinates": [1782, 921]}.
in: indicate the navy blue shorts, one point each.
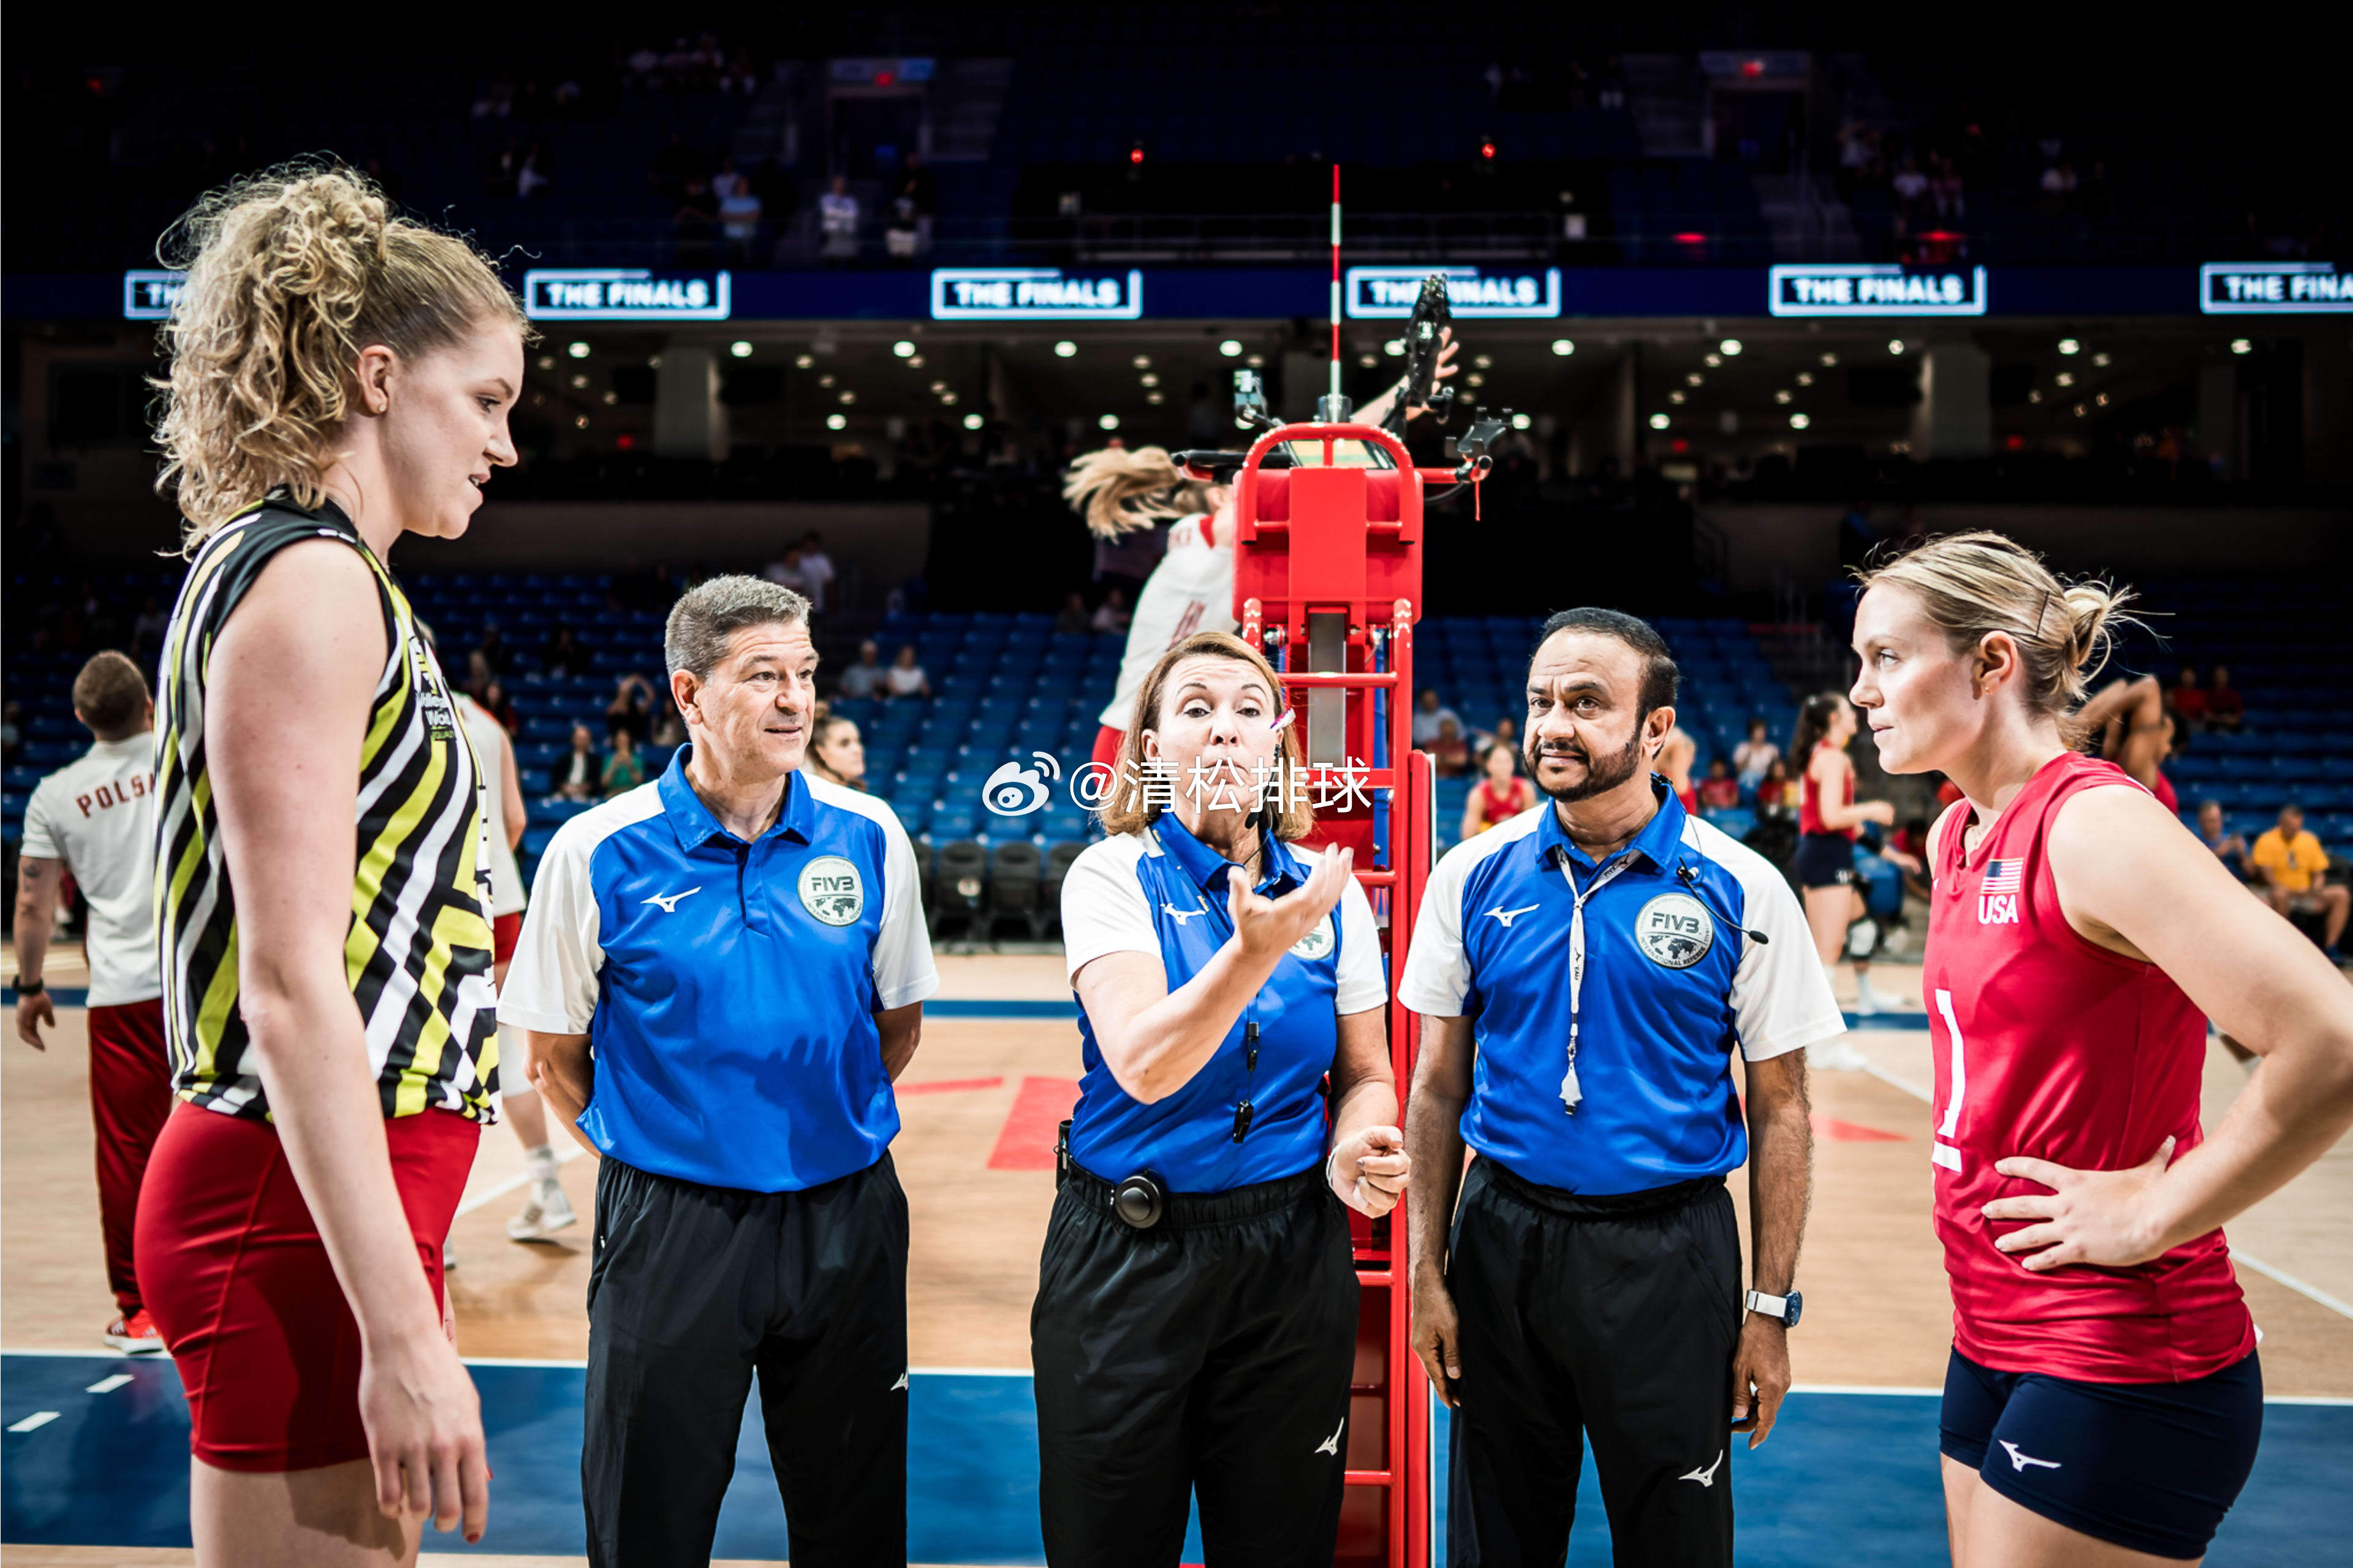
{"type": "Point", "coordinates": [1824, 860]}
{"type": "Point", "coordinates": [2149, 1466]}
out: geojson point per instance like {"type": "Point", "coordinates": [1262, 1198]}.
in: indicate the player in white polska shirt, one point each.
{"type": "Point", "coordinates": [1192, 589]}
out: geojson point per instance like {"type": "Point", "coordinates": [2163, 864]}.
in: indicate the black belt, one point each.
{"type": "Point", "coordinates": [1187, 1211]}
{"type": "Point", "coordinates": [1602, 1205]}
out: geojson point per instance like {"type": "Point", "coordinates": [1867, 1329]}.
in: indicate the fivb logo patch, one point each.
{"type": "Point", "coordinates": [1998, 895]}
{"type": "Point", "coordinates": [1387, 293]}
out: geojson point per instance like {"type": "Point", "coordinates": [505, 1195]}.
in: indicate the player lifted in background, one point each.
{"type": "Point", "coordinates": [2104, 1399]}
{"type": "Point", "coordinates": [1192, 589]}
{"type": "Point", "coordinates": [94, 819]}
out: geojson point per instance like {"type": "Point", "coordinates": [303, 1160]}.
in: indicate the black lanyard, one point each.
{"type": "Point", "coordinates": [1247, 1108]}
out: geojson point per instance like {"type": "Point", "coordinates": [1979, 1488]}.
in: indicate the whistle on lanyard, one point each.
{"type": "Point", "coordinates": [1571, 1092]}
{"type": "Point", "coordinates": [1246, 1110]}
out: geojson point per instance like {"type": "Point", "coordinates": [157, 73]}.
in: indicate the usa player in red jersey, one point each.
{"type": "Point", "coordinates": [2102, 1402]}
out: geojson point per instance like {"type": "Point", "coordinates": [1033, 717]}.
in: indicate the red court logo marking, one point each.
{"type": "Point", "coordinates": [1026, 1142]}
{"type": "Point", "coordinates": [949, 1086]}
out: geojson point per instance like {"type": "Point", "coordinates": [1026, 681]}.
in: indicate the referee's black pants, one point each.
{"type": "Point", "coordinates": [1614, 1317]}
{"type": "Point", "coordinates": [693, 1291]}
{"type": "Point", "coordinates": [1208, 1355]}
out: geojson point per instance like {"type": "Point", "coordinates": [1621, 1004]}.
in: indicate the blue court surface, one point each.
{"type": "Point", "coordinates": [96, 1454]}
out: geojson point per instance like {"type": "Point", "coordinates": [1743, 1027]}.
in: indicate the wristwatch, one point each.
{"type": "Point", "coordinates": [29, 987]}
{"type": "Point", "coordinates": [1785, 1308]}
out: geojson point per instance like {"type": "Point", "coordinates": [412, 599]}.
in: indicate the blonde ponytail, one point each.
{"type": "Point", "coordinates": [291, 274]}
{"type": "Point", "coordinates": [1119, 491]}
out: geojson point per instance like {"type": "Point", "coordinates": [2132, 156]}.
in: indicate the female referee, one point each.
{"type": "Point", "coordinates": [2102, 1400]}
{"type": "Point", "coordinates": [1196, 1320]}
{"type": "Point", "coordinates": [339, 378]}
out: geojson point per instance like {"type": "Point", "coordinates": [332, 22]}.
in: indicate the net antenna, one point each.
{"type": "Point", "coordinates": [1335, 409]}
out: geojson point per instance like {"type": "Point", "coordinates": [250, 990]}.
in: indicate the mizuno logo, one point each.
{"type": "Point", "coordinates": [1332, 1445]}
{"type": "Point", "coordinates": [1508, 916]}
{"type": "Point", "coordinates": [668, 901]}
{"type": "Point", "coordinates": [2018, 1461]}
{"type": "Point", "coordinates": [1705, 1478]}
{"type": "Point", "coordinates": [1179, 916]}
{"type": "Point", "coordinates": [900, 1383]}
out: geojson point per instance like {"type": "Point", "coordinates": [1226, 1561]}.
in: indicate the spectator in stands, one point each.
{"type": "Point", "coordinates": [578, 776]}
{"type": "Point", "coordinates": [697, 220]}
{"type": "Point", "coordinates": [2295, 875]}
{"type": "Point", "coordinates": [1777, 793]}
{"type": "Point", "coordinates": [1428, 714]}
{"type": "Point", "coordinates": [2188, 698]}
{"type": "Point", "coordinates": [147, 629]}
{"type": "Point", "coordinates": [786, 572]}
{"type": "Point", "coordinates": [533, 175]}
{"type": "Point", "coordinates": [738, 220]}
{"type": "Point", "coordinates": [1501, 793]}
{"type": "Point", "coordinates": [910, 209]}
{"type": "Point", "coordinates": [864, 679]}
{"type": "Point", "coordinates": [669, 725]}
{"type": "Point", "coordinates": [2225, 709]}
{"type": "Point", "coordinates": [495, 701]}
{"type": "Point", "coordinates": [2230, 848]}
{"type": "Point", "coordinates": [816, 570]}
{"type": "Point", "coordinates": [838, 221]}
{"type": "Point", "coordinates": [1719, 791]}
{"type": "Point", "coordinates": [632, 708]}
{"type": "Point", "coordinates": [837, 753]}
{"type": "Point", "coordinates": [1506, 732]}
{"type": "Point", "coordinates": [1450, 753]}
{"type": "Point", "coordinates": [1111, 616]}
{"type": "Point", "coordinates": [1755, 755]}
{"type": "Point", "coordinates": [906, 677]}
{"type": "Point", "coordinates": [12, 732]}
{"type": "Point", "coordinates": [624, 770]}
{"type": "Point", "coordinates": [496, 655]}
{"type": "Point", "coordinates": [1911, 188]}
{"type": "Point", "coordinates": [564, 655]}
{"type": "Point", "coordinates": [1073, 618]}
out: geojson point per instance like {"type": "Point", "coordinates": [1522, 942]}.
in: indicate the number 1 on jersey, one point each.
{"type": "Point", "coordinates": [1944, 1153]}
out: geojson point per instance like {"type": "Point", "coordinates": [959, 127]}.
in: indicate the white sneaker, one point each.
{"type": "Point", "coordinates": [1870, 999]}
{"type": "Point", "coordinates": [1836, 1055]}
{"type": "Point", "coordinates": [1866, 1001]}
{"type": "Point", "coordinates": [548, 1212]}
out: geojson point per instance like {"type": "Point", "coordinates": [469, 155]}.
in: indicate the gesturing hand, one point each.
{"type": "Point", "coordinates": [1266, 927]}
{"type": "Point", "coordinates": [2088, 1216]}
{"type": "Point", "coordinates": [1369, 1169]}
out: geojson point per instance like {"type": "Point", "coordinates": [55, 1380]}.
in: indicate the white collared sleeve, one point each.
{"type": "Point", "coordinates": [1782, 1000]}
{"type": "Point", "coordinates": [553, 985]}
{"type": "Point", "coordinates": [40, 841]}
{"type": "Point", "coordinates": [903, 970]}
{"type": "Point", "coordinates": [1364, 983]}
{"type": "Point", "coordinates": [1104, 907]}
{"type": "Point", "coordinates": [1437, 979]}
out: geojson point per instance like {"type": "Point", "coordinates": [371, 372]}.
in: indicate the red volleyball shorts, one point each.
{"type": "Point", "coordinates": [505, 930]}
{"type": "Point", "coordinates": [236, 1277]}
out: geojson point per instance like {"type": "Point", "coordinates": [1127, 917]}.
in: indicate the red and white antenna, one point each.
{"type": "Point", "coordinates": [1333, 413]}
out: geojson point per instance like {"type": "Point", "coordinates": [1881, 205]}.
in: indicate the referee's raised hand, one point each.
{"type": "Point", "coordinates": [1267, 928]}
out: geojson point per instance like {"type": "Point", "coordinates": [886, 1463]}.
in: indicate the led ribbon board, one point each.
{"type": "Point", "coordinates": [1034, 294]}
{"type": "Point", "coordinates": [2273, 288]}
{"type": "Point", "coordinates": [1876, 290]}
{"type": "Point", "coordinates": [150, 296]}
{"type": "Point", "coordinates": [624, 294]}
{"type": "Point", "coordinates": [1387, 293]}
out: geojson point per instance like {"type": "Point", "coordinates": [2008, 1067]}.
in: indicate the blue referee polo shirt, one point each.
{"type": "Point", "coordinates": [1163, 891]}
{"type": "Point", "coordinates": [1692, 945]}
{"type": "Point", "coordinates": [728, 990]}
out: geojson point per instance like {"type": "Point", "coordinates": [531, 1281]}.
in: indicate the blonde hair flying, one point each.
{"type": "Point", "coordinates": [291, 274]}
{"type": "Point", "coordinates": [1119, 491]}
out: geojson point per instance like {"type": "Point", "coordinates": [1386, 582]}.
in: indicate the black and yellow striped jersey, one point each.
{"type": "Point", "coordinates": [418, 952]}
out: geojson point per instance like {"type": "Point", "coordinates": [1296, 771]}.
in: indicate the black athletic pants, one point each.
{"type": "Point", "coordinates": [1210, 1353]}
{"type": "Point", "coordinates": [1616, 1317]}
{"type": "Point", "coordinates": [694, 1290]}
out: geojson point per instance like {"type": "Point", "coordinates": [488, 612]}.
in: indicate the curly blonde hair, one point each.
{"type": "Point", "coordinates": [291, 273]}
{"type": "Point", "coordinates": [1119, 491]}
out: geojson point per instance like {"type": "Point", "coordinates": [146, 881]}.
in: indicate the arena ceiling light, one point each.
{"type": "Point", "coordinates": [2103, 360]}
{"type": "Point", "coordinates": [1232, 347]}
{"type": "Point", "coordinates": [1149, 379]}
{"type": "Point", "coordinates": [915, 361]}
{"type": "Point", "coordinates": [2243, 346]}
{"type": "Point", "coordinates": [1521, 422]}
{"type": "Point", "coordinates": [1805, 378]}
{"type": "Point", "coordinates": [903, 349]}
{"type": "Point", "coordinates": [1674, 396]}
{"type": "Point", "coordinates": [1393, 348]}
{"type": "Point", "coordinates": [740, 348]}
{"type": "Point", "coordinates": [1367, 361]}
{"type": "Point", "coordinates": [1065, 349]}
{"type": "Point", "coordinates": [804, 360]}
{"type": "Point", "coordinates": [973, 422]}
{"type": "Point", "coordinates": [2066, 378]}
{"type": "Point", "coordinates": [1729, 346]}
{"type": "Point", "coordinates": [547, 361]}
{"type": "Point", "coordinates": [579, 350]}
{"type": "Point", "coordinates": [1828, 360]}
{"type": "Point", "coordinates": [1710, 361]}
{"type": "Point", "coordinates": [2069, 346]}
{"type": "Point", "coordinates": [1895, 345]}
{"type": "Point", "coordinates": [1659, 421]}
{"type": "Point", "coordinates": [1798, 421]}
{"type": "Point", "coordinates": [1560, 346]}
{"type": "Point", "coordinates": [1109, 422]}
{"type": "Point", "coordinates": [1484, 361]}
{"type": "Point", "coordinates": [1144, 361]}
{"type": "Point", "coordinates": [1154, 398]}
{"type": "Point", "coordinates": [949, 398]}
{"type": "Point", "coordinates": [849, 397]}
{"type": "Point", "coordinates": [1695, 379]}
{"type": "Point", "coordinates": [1784, 396]}
{"type": "Point", "coordinates": [837, 422]}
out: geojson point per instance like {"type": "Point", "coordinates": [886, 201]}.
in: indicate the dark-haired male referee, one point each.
{"type": "Point", "coordinates": [1601, 957]}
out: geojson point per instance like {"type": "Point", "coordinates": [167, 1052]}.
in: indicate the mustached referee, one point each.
{"type": "Point", "coordinates": [1586, 972]}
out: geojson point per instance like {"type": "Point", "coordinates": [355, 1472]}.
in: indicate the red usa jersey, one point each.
{"type": "Point", "coordinates": [2051, 1047]}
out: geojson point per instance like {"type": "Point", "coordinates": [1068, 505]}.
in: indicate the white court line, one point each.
{"type": "Point", "coordinates": [107, 1384]}
{"type": "Point", "coordinates": [2302, 1288]}
{"type": "Point", "coordinates": [565, 1152]}
{"type": "Point", "coordinates": [35, 1422]}
{"type": "Point", "coordinates": [1906, 1084]}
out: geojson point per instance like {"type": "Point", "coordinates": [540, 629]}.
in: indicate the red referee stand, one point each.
{"type": "Point", "coordinates": [1328, 582]}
